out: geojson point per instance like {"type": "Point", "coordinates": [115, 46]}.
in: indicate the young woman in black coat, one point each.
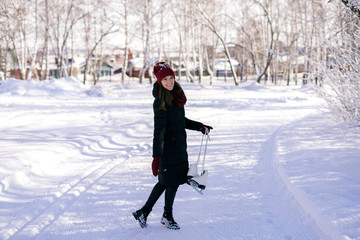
{"type": "Point", "coordinates": [170, 159]}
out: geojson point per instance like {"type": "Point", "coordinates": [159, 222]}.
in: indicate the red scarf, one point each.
{"type": "Point", "coordinates": [179, 98]}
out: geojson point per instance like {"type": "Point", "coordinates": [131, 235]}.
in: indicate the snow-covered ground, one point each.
{"type": "Point", "coordinates": [76, 161]}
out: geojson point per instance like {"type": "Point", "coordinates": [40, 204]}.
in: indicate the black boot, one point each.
{"type": "Point", "coordinates": [168, 220]}
{"type": "Point", "coordinates": [141, 215]}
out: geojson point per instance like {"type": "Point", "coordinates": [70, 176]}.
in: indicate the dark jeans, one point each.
{"type": "Point", "coordinates": [155, 194]}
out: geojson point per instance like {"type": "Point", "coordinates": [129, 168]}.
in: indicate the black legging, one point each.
{"type": "Point", "coordinates": [157, 192]}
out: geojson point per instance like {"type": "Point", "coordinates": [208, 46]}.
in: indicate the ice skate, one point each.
{"type": "Point", "coordinates": [141, 217]}
{"type": "Point", "coordinates": [168, 220]}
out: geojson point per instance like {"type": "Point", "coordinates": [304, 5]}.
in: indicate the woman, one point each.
{"type": "Point", "coordinates": [170, 159]}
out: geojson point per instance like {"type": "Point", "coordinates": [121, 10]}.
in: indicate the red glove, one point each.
{"type": "Point", "coordinates": [205, 129]}
{"type": "Point", "coordinates": [156, 165]}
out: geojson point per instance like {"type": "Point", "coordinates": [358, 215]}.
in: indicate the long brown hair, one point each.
{"type": "Point", "coordinates": [165, 95]}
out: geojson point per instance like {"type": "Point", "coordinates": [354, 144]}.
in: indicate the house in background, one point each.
{"type": "Point", "coordinates": [106, 64]}
{"type": "Point", "coordinates": [136, 64]}
{"type": "Point", "coordinates": [222, 67]}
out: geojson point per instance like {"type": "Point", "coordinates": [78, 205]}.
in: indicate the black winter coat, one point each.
{"type": "Point", "coordinates": [169, 141]}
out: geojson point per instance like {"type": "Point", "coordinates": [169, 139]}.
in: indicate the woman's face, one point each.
{"type": "Point", "coordinates": [168, 82]}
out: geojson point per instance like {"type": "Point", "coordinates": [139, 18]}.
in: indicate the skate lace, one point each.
{"type": "Point", "coordinates": [143, 217]}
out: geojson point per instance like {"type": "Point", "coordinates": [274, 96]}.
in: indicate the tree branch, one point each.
{"type": "Point", "coordinates": [353, 5]}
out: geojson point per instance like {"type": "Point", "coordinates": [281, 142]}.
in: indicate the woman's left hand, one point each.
{"type": "Point", "coordinates": [205, 129]}
{"type": "Point", "coordinates": [156, 165]}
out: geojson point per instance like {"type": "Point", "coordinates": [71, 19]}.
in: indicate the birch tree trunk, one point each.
{"type": "Point", "coordinates": [33, 52]}
{"type": "Point", "coordinates": [20, 45]}
{"type": "Point", "coordinates": [87, 42]}
{"type": "Point", "coordinates": [46, 40]}
{"type": "Point", "coordinates": [200, 53]}
{"type": "Point", "coordinates": [126, 51]}
{"type": "Point", "coordinates": [179, 26]}
{"type": "Point", "coordinates": [146, 63]}
{"type": "Point", "coordinates": [269, 52]}
{"type": "Point", "coordinates": [208, 67]}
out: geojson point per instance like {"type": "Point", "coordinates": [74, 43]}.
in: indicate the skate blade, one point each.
{"type": "Point", "coordinates": [195, 186]}
{"type": "Point", "coordinates": [192, 182]}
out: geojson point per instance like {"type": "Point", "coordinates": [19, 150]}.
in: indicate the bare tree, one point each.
{"type": "Point", "coordinates": [111, 28]}
{"type": "Point", "coordinates": [34, 50]}
{"type": "Point", "coordinates": [187, 27]}
{"type": "Point", "coordinates": [177, 17]}
{"type": "Point", "coordinates": [65, 15]}
{"type": "Point", "coordinates": [340, 77]}
{"type": "Point", "coordinates": [126, 30]}
{"type": "Point", "coordinates": [147, 18]}
{"type": "Point", "coordinates": [4, 39]}
{"type": "Point", "coordinates": [15, 16]}
{"type": "Point", "coordinates": [269, 54]}
{"type": "Point", "coordinates": [212, 27]}
{"type": "Point", "coordinates": [46, 39]}
{"type": "Point", "coordinates": [353, 5]}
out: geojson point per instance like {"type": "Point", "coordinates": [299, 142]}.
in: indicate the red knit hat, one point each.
{"type": "Point", "coordinates": [162, 70]}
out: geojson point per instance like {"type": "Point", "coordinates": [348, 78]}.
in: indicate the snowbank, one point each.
{"type": "Point", "coordinates": [54, 87]}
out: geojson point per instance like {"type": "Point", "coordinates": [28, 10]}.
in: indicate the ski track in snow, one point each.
{"type": "Point", "coordinates": [299, 205]}
{"type": "Point", "coordinates": [247, 196]}
{"type": "Point", "coordinates": [41, 218]}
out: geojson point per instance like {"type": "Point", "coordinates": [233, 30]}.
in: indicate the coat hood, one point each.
{"type": "Point", "coordinates": [156, 89]}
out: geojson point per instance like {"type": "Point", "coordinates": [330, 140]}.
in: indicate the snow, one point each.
{"type": "Point", "coordinates": [76, 161]}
